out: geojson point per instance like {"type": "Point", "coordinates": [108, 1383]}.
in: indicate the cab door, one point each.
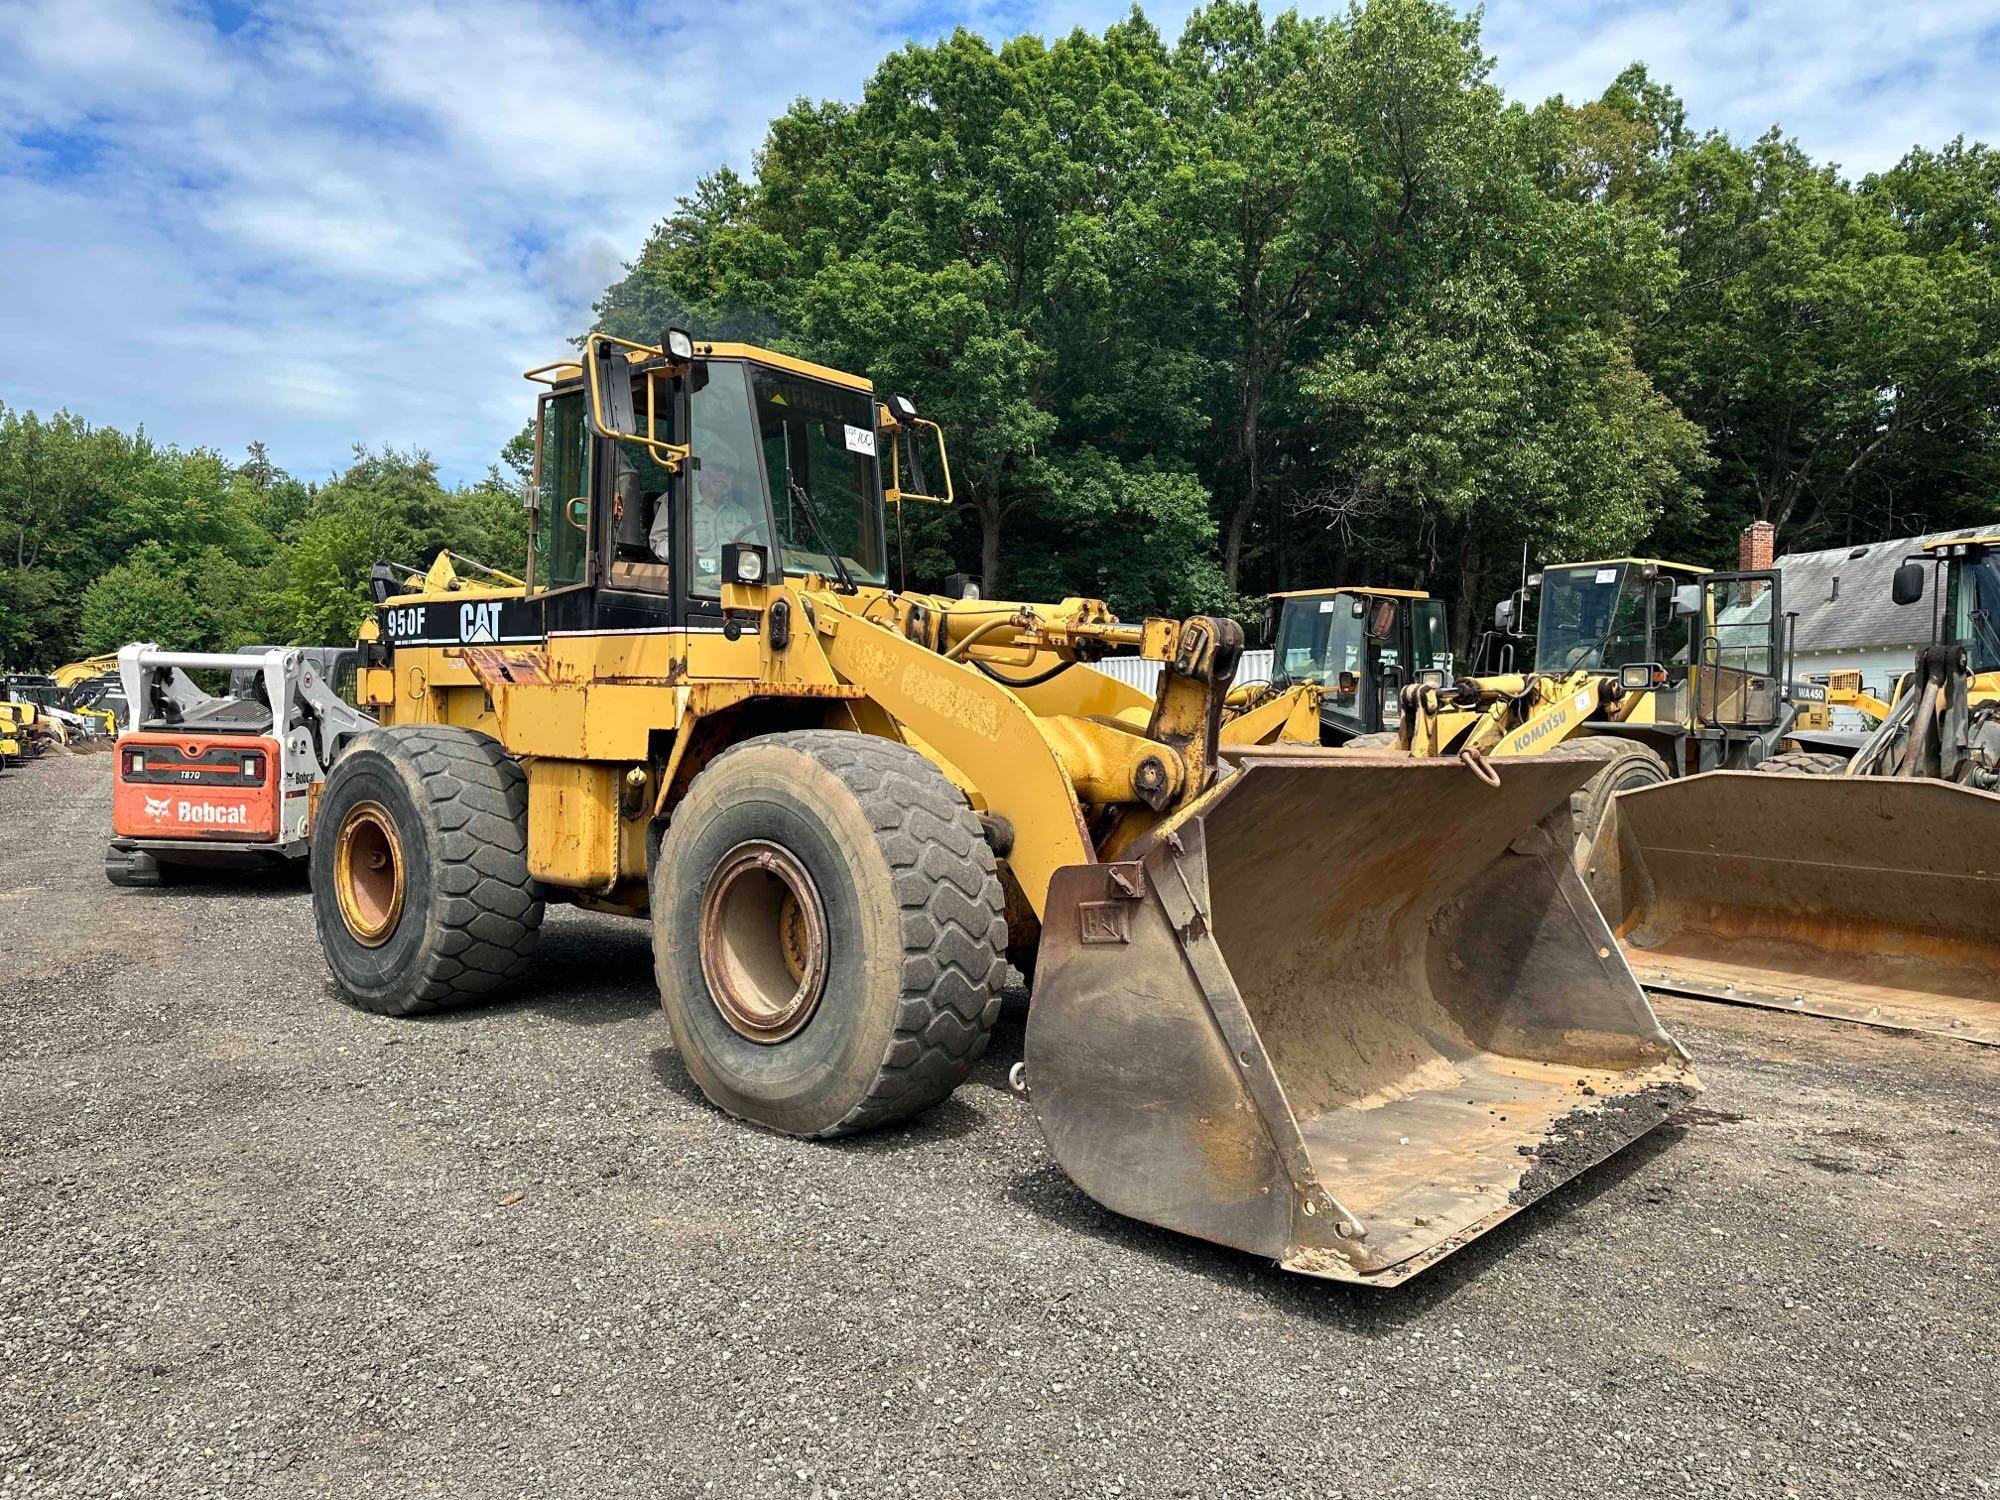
{"type": "Point", "coordinates": [1737, 669]}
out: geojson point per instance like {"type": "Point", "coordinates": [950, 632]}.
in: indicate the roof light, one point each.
{"type": "Point", "coordinates": [678, 343]}
{"type": "Point", "coordinates": [902, 408]}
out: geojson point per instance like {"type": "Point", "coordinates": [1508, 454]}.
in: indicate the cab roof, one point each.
{"type": "Point", "coordinates": [1612, 562]}
{"type": "Point", "coordinates": [1350, 588]}
{"type": "Point", "coordinates": [564, 371]}
{"type": "Point", "coordinates": [1938, 544]}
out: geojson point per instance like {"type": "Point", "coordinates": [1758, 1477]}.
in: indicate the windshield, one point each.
{"type": "Point", "coordinates": [1974, 609]}
{"type": "Point", "coordinates": [819, 439]}
{"type": "Point", "coordinates": [1318, 639]}
{"type": "Point", "coordinates": [44, 692]}
{"type": "Point", "coordinates": [1593, 618]}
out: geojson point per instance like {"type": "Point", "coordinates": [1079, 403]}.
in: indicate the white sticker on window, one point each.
{"type": "Point", "coordinates": [1604, 575]}
{"type": "Point", "coordinates": [859, 440]}
{"type": "Point", "coordinates": [1326, 606]}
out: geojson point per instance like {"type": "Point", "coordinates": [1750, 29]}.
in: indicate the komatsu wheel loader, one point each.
{"type": "Point", "coordinates": [1343, 1012]}
{"type": "Point", "coordinates": [1864, 887]}
{"type": "Point", "coordinates": [1361, 647]}
{"type": "Point", "coordinates": [1651, 670]}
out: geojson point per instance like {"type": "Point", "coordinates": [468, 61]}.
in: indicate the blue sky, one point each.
{"type": "Point", "coordinates": [318, 222]}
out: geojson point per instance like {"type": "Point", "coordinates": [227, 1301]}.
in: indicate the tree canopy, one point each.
{"type": "Point", "coordinates": [110, 538]}
{"type": "Point", "coordinates": [1283, 301]}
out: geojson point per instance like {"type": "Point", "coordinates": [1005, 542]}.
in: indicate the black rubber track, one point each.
{"type": "Point", "coordinates": [473, 904]}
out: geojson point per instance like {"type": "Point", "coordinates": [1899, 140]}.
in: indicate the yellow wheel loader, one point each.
{"type": "Point", "coordinates": [1345, 1012]}
{"type": "Point", "coordinates": [1360, 647]}
{"type": "Point", "coordinates": [1650, 670]}
{"type": "Point", "coordinates": [1862, 885]}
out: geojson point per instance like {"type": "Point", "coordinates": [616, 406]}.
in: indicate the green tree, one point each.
{"type": "Point", "coordinates": [145, 598]}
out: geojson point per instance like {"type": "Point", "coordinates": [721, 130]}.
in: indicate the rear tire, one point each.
{"type": "Point", "coordinates": [419, 867]}
{"type": "Point", "coordinates": [1803, 763]}
{"type": "Point", "coordinates": [133, 868]}
{"type": "Point", "coordinates": [829, 932]}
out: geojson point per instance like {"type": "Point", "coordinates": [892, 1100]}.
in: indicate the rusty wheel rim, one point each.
{"type": "Point", "coordinates": [368, 874]}
{"type": "Point", "coordinates": [763, 942]}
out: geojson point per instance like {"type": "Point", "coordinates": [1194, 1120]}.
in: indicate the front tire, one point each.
{"type": "Point", "coordinates": [829, 932]}
{"type": "Point", "coordinates": [1803, 763]}
{"type": "Point", "coordinates": [1629, 765]}
{"type": "Point", "coordinates": [419, 864]}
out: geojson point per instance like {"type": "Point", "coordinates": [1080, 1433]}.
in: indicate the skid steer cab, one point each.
{"type": "Point", "coordinates": [1265, 1005]}
{"type": "Point", "coordinates": [1363, 647]}
{"type": "Point", "coordinates": [223, 781]}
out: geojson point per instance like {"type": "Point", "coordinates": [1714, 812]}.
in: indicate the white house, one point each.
{"type": "Point", "coordinates": [1846, 619]}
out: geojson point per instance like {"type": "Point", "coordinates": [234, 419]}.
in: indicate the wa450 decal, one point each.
{"type": "Point", "coordinates": [473, 622]}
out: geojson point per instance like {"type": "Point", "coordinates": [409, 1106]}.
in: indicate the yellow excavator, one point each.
{"type": "Point", "coordinates": [1862, 883]}
{"type": "Point", "coordinates": [1345, 1012]}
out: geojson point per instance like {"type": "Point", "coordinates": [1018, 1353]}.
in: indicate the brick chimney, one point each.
{"type": "Point", "coordinates": [1759, 544]}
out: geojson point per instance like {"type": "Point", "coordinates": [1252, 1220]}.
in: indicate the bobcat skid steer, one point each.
{"type": "Point", "coordinates": [221, 781]}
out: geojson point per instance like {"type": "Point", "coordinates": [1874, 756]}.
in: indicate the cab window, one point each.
{"type": "Point", "coordinates": [728, 489]}
{"type": "Point", "coordinates": [819, 444]}
{"type": "Point", "coordinates": [562, 473]}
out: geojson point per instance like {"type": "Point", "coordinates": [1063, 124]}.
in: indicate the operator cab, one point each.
{"type": "Point", "coordinates": [1601, 617]}
{"type": "Point", "coordinates": [1707, 646]}
{"type": "Point", "coordinates": [1971, 595]}
{"type": "Point", "coordinates": [1364, 646]}
{"type": "Point", "coordinates": [651, 462]}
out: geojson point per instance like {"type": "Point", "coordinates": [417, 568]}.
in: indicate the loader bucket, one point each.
{"type": "Point", "coordinates": [1864, 898]}
{"type": "Point", "coordinates": [1350, 1012]}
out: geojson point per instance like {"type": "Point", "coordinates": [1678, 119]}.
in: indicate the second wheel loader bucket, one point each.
{"type": "Point", "coordinates": [1350, 1012]}
{"type": "Point", "coordinates": [1864, 898]}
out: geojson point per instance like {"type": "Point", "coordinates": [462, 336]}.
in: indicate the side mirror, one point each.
{"type": "Point", "coordinates": [1907, 587]}
{"type": "Point", "coordinates": [1687, 599]}
{"type": "Point", "coordinates": [1503, 616]}
{"type": "Point", "coordinates": [381, 582]}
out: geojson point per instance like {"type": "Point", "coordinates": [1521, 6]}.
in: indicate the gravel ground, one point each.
{"type": "Point", "coordinates": [253, 1242]}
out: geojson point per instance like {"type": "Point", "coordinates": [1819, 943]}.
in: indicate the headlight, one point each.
{"type": "Point", "coordinates": [678, 343]}
{"type": "Point", "coordinates": [749, 567]}
{"type": "Point", "coordinates": [902, 408]}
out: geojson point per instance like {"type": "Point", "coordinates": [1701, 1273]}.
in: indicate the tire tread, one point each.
{"type": "Point", "coordinates": [947, 886]}
{"type": "Point", "coordinates": [490, 915]}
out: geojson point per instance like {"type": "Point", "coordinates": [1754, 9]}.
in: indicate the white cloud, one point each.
{"type": "Point", "coordinates": [359, 221]}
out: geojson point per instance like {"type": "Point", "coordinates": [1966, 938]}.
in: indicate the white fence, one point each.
{"type": "Point", "coordinates": [1143, 674]}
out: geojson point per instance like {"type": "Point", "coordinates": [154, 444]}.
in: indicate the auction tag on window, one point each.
{"type": "Point", "coordinates": [1326, 606]}
{"type": "Point", "coordinates": [859, 440]}
{"type": "Point", "coordinates": [1604, 575]}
